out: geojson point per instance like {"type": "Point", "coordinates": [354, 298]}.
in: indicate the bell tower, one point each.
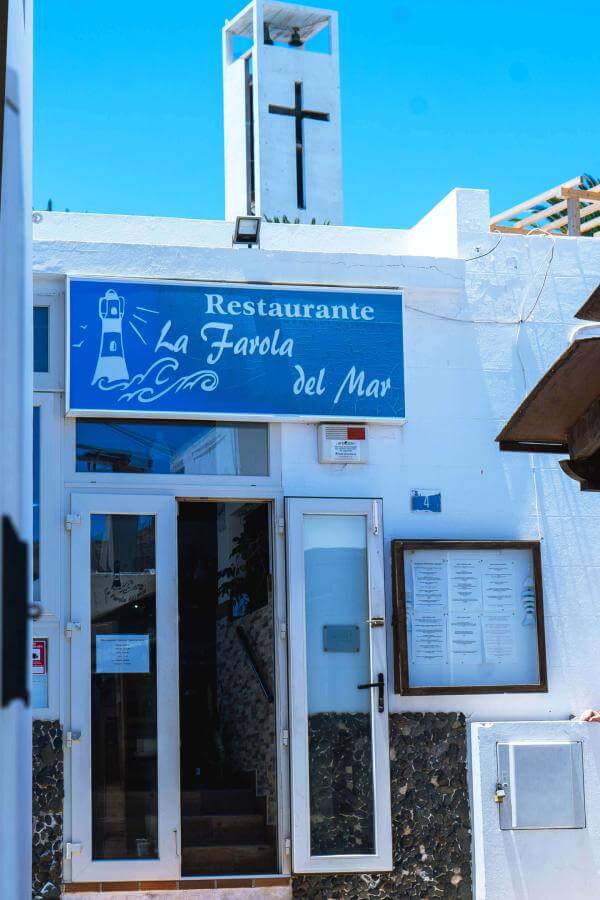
{"type": "Point", "coordinates": [281, 79]}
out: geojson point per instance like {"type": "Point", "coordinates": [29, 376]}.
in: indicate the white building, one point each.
{"type": "Point", "coordinates": [215, 569]}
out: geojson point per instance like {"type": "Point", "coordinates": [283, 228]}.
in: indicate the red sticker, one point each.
{"type": "Point", "coordinates": [38, 659]}
{"type": "Point", "coordinates": [356, 434]}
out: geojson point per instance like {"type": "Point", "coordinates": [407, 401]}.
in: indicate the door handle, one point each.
{"type": "Point", "coordinates": [379, 684]}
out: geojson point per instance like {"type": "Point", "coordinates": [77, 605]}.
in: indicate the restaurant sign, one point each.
{"type": "Point", "coordinates": [177, 349]}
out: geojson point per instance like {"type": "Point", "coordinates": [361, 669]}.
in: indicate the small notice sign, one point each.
{"type": "Point", "coordinates": [346, 451]}
{"type": "Point", "coordinates": [38, 658]}
{"type": "Point", "coordinates": [39, 673]}
{"type": "Point", "coordinates": [122, 654]}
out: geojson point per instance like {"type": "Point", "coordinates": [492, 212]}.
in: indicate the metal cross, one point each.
{"type": "Point", "coordinates": [299, 114]}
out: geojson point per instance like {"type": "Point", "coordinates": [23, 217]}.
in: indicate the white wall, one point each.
{"type": "Point", "coordinates": [468, 365]}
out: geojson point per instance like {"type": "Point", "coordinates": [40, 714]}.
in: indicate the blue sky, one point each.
{"type": "Point", "coordinates": [499, 94]}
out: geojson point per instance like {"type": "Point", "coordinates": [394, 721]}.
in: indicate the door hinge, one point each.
{"type": "Point", "coordinates": [281, 526]}
{"type": "Point", "coordinates": [70, 627]}
{"type": "Point", "coordinates": [72, 737]}
{"type": "Point", "coordinates": [177, 841]}
{"type": "Point", "coordinates": [283, 631]}
{"type": "Point", "coordinates": [285, 738]}
{"type": "Point", "coordinates": [288, 846]}
{"type": "Point", "coordinates": [72, 848]}
{"type": "Point", "coordinates": [375, 527]}
{"type": "Point", "coordinates": [72, 519]}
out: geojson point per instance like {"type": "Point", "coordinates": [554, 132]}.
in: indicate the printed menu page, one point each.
{"type": "Point", "coordinates": [430, 587]}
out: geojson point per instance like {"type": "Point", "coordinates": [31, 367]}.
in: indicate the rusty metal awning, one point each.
{"type": "Point", "coordinates": [557, 402]}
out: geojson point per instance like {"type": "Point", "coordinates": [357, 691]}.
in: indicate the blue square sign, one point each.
{"type": "Point", "coordinates": [426, 501]}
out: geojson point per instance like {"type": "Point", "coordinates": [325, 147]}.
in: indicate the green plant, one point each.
{"type": "Point", "coordinates": [284, 220]}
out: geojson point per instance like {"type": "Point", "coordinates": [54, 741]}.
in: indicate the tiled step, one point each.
{"type": "Point", "coordinates": [258, 892]}
{"type": "Point", "coordinates": [219, 800]}
{"type": "Point", "coordinates": [224, 859]}
{"type": "Point", "coordinates": [226, 828]}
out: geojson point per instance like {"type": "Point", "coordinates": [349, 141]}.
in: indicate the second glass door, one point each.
{"type": "Point", "coordinates": [339, 716]}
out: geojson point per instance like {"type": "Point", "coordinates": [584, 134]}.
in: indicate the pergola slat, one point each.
{"type": "Point", "coordinates": [571, 204]}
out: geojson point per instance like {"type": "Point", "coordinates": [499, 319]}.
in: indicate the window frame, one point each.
{"type": "Point", "coordinates": [45, 306]}
{"type": "Point", "coordinates": [147, 480]}
{"type": "Point", "coordinates": [161, 423]}
{"type": "Point", "coordinates": [51, 525]}
{"type": "Point", "coordinates": [50, 293]}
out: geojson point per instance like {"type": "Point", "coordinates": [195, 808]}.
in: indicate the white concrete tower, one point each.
{"type": "Point", "coordinates": [281, 78]}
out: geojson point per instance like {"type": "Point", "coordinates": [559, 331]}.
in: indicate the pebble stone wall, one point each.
{"type": "Point", "coordinates": [430, 818]}
{"type": "Point", "coordinates": [48, 792]}
{"type": "Point", "coordinates": [430, 814]}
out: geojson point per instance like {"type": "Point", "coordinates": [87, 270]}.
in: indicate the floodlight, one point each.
{"type": "Point", "coordinates": [247, 230]}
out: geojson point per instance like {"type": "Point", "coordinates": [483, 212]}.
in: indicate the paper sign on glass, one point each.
{"type": "Point", "coordinates": [499, 637]}
{"type": "Point", "coordinates": [465, 584]}
{"type": "Point", "coordinates": [499, 585]}
{"type": "Point", "coordinates": [122, 653]}
{"type": "Point", "coordinates": [429, 639]}
{"type": "Point", "coordinates": [465, 639]}
{"type": "Point", "coordinates": [430, 587]}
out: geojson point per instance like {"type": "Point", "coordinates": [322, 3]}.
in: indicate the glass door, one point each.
{"type": "Point", "coordinates": [124, 689]}
{"type": "Point", "coordinates": [339, 712]}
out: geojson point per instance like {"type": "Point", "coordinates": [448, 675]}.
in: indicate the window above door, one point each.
{"type": "Point", "coordinates": [168, 447]}
{"type": "Point", "coordinates": [172, 451]}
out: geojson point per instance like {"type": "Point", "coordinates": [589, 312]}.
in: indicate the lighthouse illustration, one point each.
{"type": "Point", "coordinates": [111, 363]}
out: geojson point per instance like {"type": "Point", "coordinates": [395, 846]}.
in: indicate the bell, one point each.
{"type": "Point", "coordinates": [267, 36]}
{"type": "Point", "coordinates": [295, 40]}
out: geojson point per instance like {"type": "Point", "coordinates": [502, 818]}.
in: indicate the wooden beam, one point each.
{"type": "Point", "coordinates": [583, 437]}
{"type": "Point", "coordinates": [583, 212]}
{"type": "Point", "coordinates": [541, 198]}
{"type": "Point", "coordinates": [509, 229]}
{"type": "Point", "coordinates": [585, 471]}
{"type": "Point", "coordinates": [590, 224]}
{"type": "Point", "coordinates": [570, 194]}
{"type": "Point", "coordinates": [543, 213]}
{"type": "Point", "coordinates": [532, 447]}
{"type": "Point", "coordinates": [573, 218]}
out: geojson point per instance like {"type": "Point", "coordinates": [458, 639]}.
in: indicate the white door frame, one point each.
{"type": "Point", "coordinates": [84, 868]}
{"type": "Point", "coordinates": [381, 860]}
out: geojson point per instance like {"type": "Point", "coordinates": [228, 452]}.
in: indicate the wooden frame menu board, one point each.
{"type": "Point", "coordinates": [468, 617]}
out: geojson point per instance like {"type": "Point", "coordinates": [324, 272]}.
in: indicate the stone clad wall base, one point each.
{"type": "Point", "coordinates": [48, 792]}
{"type": "Point", "coordinates": [430, 816]}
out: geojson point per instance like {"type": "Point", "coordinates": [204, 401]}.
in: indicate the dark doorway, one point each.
{"type": "Point", "coordinates": [227, 706]}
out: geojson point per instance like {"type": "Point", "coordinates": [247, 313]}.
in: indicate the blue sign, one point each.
{"type": "Point", "coordinates": [155, 348]}
{"type": "Point", "coordinates": [426, 501]}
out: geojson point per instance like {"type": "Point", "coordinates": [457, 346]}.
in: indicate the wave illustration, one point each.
{"type": "Point", "coordinates": [157, 380]}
